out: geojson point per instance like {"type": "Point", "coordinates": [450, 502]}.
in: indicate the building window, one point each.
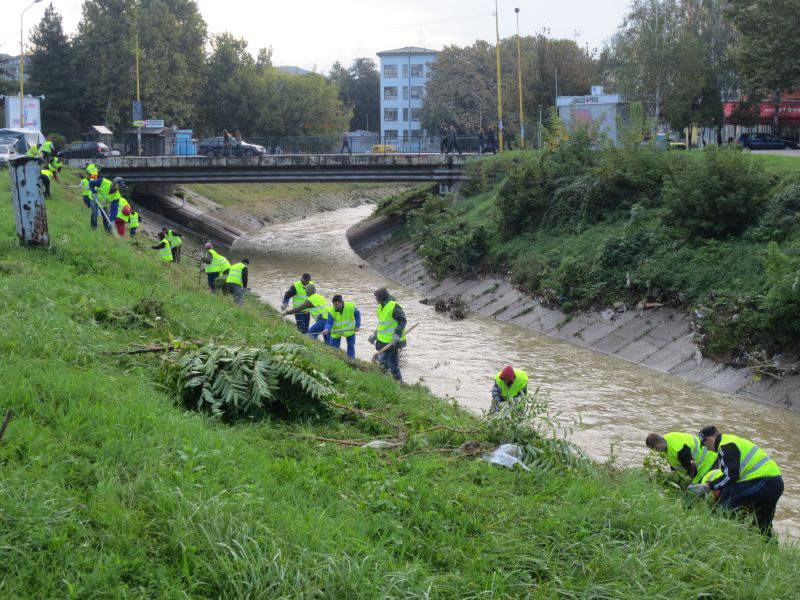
{"type": "Point", "coordinates": [414, 114]}
{"type": "Point", "coordinates": [390, 71]}
{"type": "Point", "coordinates": [390, 134]}
{"type": "Point", "coordinates": [416, 70]}
{"type": "Point", "coordinates": [417, 134]}
{"type": "Point", "coordinates": [390, 93]}
{"type": "Point", "coordinates": [405, 71]}
{"type": "Point", "coordinates": [390, 114]}
{"type": "Point", "coordinates": [405, 92]}
{"type": "Point", "coordinates": [416, 92]}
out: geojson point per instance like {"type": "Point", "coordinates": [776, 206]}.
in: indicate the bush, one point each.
{"type": "Point", "coordinates": [483, 174]}
{"type": "Point", "coordinates": [780, 214]}
{"type": "Point", "coordinates": [402, 204]}
{"type": "Point", "coordinates": [523, 197]}
{"type": "Point", "coordinates": [715, 197]}
{"type": "Point", "coordinates": [451, 246]}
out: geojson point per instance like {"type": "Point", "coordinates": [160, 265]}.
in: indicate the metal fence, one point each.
{"type": "Point", "coordinates": [259, 146]}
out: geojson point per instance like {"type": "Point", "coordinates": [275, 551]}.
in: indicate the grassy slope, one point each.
{"type": "Point", "coordinates": [247, 193]}
{"type": "Point", "coordinates": [108, 489]}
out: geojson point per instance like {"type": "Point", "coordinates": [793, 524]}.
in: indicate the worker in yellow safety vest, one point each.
{"type": "Point", "coordinates": [297, 295]}
{"type": "Point", "coordinates": [164, 251]}
{"type": "Point", "coordinates": [93, 171]}
{"type": "Point", "coordinates": [175, 243]}
{"type": "Point", "coordinates": [317, 308]}
{"type": "Point", "coordinates": [751, 481]}
{"type": "Point", "coordinates": [390, 337]}
{"type": "Point", "coordinates": [106, 194]}
{"type": "Point", "coordinates": [133, 224]}
{"type": "Point", "coordinates": [683, 452]}
{"type": "Point", "coordinates": [47, 149]}
{"type": "Point", "coordinates": [509, 385]}
{"type": "Point", "coordinates": [237, 280]}
{"type": "Point", "coordinates": [123, 216]}
{"type": "Point", "coordinates": [45, 175]}
{"type": "Point", "coordinates": [215, 266]}
{"type": "Point", "coordinates": [344, 321]}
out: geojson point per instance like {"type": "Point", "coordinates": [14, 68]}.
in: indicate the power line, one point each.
{"type": "Point", "coordinates": [453, 20]}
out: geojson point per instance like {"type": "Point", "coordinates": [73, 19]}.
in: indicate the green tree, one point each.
{"type": "Point", "coordinates": [172, 36]}
{"type": "Point", "coordinates": [53, 75]}
{"type": "Point", "coordinates": [359, 90]}
{"type": "Point", "coordinates": [229, 57]}
{"type": "Point", "coordinates": [768, 46]}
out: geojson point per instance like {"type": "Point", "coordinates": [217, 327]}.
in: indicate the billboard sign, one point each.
{"type": "Point", "coordinates": [137, 111]}
{"type": "Point", "coordinates": [154, 123]}
{"type": "Point", "coordinates": [32, 113]}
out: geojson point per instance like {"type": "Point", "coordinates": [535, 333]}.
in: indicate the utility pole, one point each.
{"type": "Point", "coordinates": [22, 66]}
{"type": "Point", "coordinates": [519, 75]}
{"type": "Point", "coordinates": [499, 79]}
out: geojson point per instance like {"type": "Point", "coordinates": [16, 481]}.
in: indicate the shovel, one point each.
{"type": "Point", "coordinates": [385, 348]}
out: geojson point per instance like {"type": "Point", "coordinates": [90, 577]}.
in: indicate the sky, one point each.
{"type": "Point", "coordinates": [314, 34]}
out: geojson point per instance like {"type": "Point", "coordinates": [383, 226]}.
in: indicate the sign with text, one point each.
{"type": "Point", "coordinates": [138, 115]}
{"type": "Point", "coordinates": [31, 117]}
{"type": "Point", "coordinates": [138, 123]}
{"type": "Point", "coordinates": [154, 123]}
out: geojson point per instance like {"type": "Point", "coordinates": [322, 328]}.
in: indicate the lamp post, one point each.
{"type": "Point", "coordinates": [499, 79]}
{"type": "Point", "coordinates": [519, 76]}
{"type": "Point", "coordinates": [135, 29]}
{"type": "Point", "coordinates": [22, 66]}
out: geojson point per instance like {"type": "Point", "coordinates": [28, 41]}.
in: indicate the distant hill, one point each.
{"type": "Point", "coordinates": [294, 70]}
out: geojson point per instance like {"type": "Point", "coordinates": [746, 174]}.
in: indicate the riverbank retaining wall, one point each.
{"type": "Point", "coordinates": [661, 338]}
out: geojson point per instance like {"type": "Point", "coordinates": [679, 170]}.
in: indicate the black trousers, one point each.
{"type": "Point", "coordinates": [759, 496]}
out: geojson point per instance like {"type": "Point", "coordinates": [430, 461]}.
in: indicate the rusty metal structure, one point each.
{"type": "Point", "coordinates": [27, 198]}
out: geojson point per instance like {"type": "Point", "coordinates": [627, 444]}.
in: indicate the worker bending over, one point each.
{"type": "Point", "coordinates": [105, 194]}
{"type": "Point", "coordinates": [344, 321]}
{"type": "Point", "coordinates": [298, 295]}
{"type": "Point", "coordinates": [509, 385]}
{"type": "Point", "coordinates": [164, 251]}
{"type": "Point", "coordinates": [684, 451]}
{"type": "Point", "coordinates": [175, 242]}
{"type": "Point", "coordinates": [390, 334]}
{"type": "Point", "coordinates": [750, 479]}
{"type": "Point", "coordinates": [215, 265]}
{"type": "Point", "coordinates": [317, 309]}
{"type": "Point", "coordinates": [237, 280]}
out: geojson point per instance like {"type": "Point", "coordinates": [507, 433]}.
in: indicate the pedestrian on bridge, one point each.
{"type": "Point", "coordinates": [317, 309]}
{"type": "Point", "coordinates": [345, 144]}
{"type": "Point", "coordinates": [510, 385]}
{"type": "Point", "coordinates": [214, 264]}
{"type": "Point", "coordinates": [298, 295]}
{"type": "Point", "coordinates": [344, 321]}
{"type": "Point", "coordinates": [452, 140]}
{"type": "Point", "coordinates": [389, 338]}
{"type": "Point", "coordinates": [750, 482]}
{"type": "Point", "coordinates": [684, 452]}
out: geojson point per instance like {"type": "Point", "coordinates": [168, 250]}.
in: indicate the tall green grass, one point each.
{"type": "Point", "coordinates": [108, 488]}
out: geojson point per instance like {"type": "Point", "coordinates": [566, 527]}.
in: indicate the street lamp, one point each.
{"type": "Point", "coordinates": [519, 75]}
{"type": "Point", "coordinates": [138, 86]}
{"type": "Point", "coordinates": [22, 66]}
{"type": "Point", "coordinates": [499, 80]}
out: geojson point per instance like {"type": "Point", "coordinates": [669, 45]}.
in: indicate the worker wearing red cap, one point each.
{"type": "Point", "coordinates": [509, 384]}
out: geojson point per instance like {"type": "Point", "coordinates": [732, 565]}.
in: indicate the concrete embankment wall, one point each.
{"type": "Point", "coordinates": [661, 338]}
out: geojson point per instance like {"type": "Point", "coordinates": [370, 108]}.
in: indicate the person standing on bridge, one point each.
{"type": "Point", "coordinates": [298, 295]}
{"type": "Point", "coordinates": [214, 264]}
{"type": "Point", "coordinates": [684, 451]}
{"type": "Point", "coordinates": [750, 480]}
{"type": "Point", "coordinates": [452, 139]}
{"type": "Point", "coordinates": [344, 321]}
{"type": "Point", "coordinates": [317, 308]}
{"type": "Point", "coordinates": [345, 144]}
{"type": "Point", "coordinates": [390, 332]}
{"type": "Point", "coordinates": [510, 384]}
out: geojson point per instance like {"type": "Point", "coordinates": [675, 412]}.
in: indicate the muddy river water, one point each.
{"type": "Point", "coordinates": [616, 402]}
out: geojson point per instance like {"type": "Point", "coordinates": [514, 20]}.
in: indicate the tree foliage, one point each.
{"type": "Point", "coordinates": [359, 90]}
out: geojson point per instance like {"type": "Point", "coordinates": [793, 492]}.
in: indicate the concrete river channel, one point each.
{"type": "Point", "coordinates": [615, 401]}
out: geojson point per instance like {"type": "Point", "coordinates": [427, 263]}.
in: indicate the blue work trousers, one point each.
{"type": "Point", "coordinates": [93, 219]}
{"type": "Point", "coordinates": [390, 360]}
{"type": "Point", "coordinates": [302, 320]}
{"type": "Point", "coordinates": [351, 344]}
{"type": "Point", "coordinates": [317, 328]}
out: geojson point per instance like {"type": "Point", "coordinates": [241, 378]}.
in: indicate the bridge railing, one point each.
{"type": "Point", "coordinates": [270, 145]}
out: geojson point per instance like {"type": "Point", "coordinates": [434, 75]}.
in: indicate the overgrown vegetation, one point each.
{"type": "Point", "coordinates": [583, 224]}
{"type": "Point", "coordinates": [110, 487]}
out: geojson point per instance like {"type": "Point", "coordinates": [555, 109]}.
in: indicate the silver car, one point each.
{"type": "Point", "coordinates": [7, 152]}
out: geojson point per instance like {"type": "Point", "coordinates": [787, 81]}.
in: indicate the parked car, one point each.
{"type": "Point", "coordinates": [763, 141]}
{"type": "Point", "coordinates": [215, 146]}
{"type": "Point", "coordinates": [7, 152]}
{"type": "Point", "coordinates": [85, 150]}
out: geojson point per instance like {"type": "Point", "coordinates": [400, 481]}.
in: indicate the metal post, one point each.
{"type": "Point", "coordinates": [138, 92]}
{"type": "Point", "coordinates": [519, 75]}
{"type": "Point", "coordinates": [499, 79]}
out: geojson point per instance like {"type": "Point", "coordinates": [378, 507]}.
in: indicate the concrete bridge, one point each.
{"type": "Point", "coordinates": [446, 170]}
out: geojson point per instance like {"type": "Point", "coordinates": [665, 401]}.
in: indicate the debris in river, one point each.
{"type": "Point", "coordinates": [454, 306]}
